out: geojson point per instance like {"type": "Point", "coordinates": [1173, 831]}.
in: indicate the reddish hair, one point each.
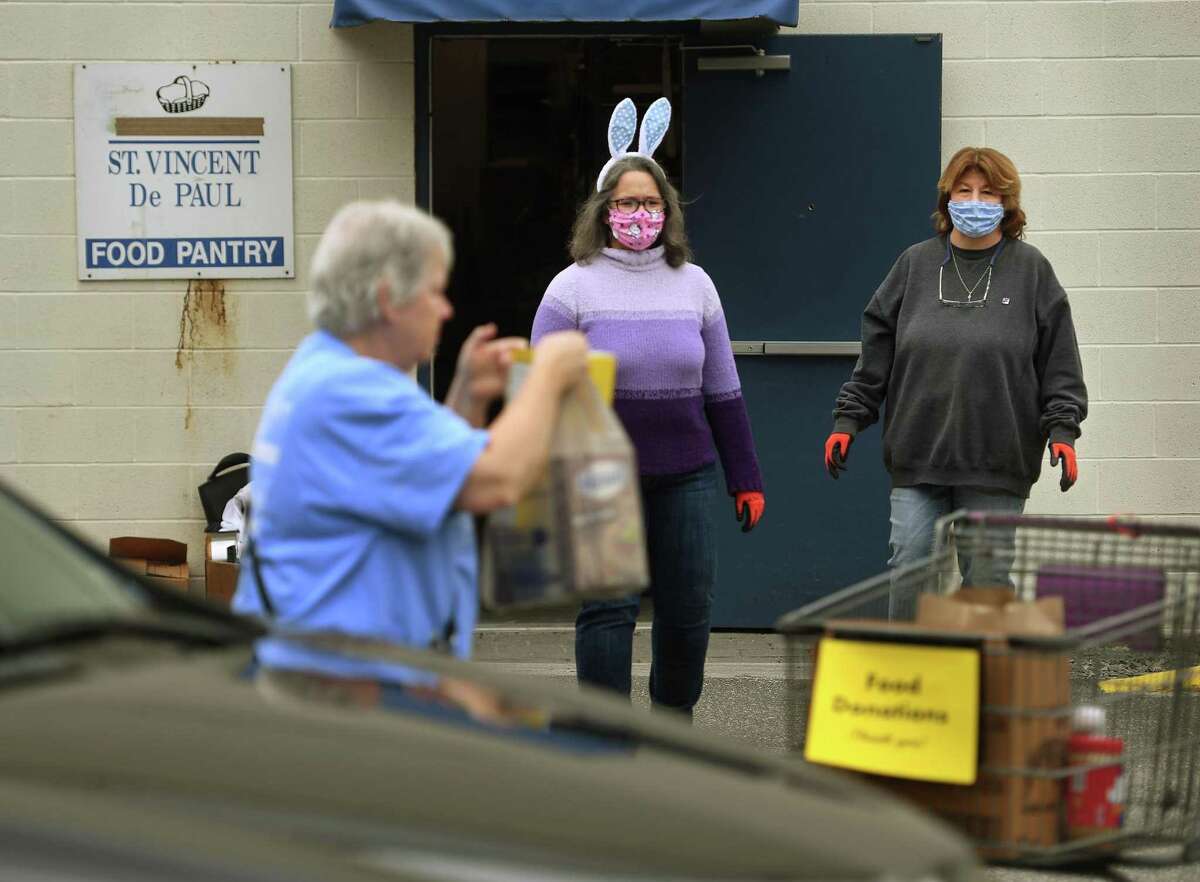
{"type": "Point", "coordinates": [1001, 175]}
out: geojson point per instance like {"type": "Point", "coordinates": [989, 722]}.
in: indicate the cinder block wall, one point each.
{"type": "Point", "coordinates": [1098, 103]}
{"type": "Point", "coordinates": [104, 418]}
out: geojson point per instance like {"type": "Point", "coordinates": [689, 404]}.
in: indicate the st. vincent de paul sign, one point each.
{"type": "Point", "coordinates": [184, 171]}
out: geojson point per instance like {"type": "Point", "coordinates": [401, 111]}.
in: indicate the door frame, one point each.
{"type": "Point", "coordinates": [425, 34]}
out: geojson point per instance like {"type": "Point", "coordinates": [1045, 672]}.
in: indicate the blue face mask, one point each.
{"type": "Point", "coordinates": [975, 219]}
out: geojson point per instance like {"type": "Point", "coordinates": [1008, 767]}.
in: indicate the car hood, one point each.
{"type": "Point", "coordinates": [529, 774]}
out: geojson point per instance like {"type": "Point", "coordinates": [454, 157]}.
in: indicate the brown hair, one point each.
{"type": "Point", "coordinates": [1001, 174]}
{"type": "Point", "coordinates": [590, 234]}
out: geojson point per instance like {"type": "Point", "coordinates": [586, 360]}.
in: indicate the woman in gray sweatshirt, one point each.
{"type": "Point", "coordinates": [970, 342]}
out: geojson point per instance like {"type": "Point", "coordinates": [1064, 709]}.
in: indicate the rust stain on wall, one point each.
{"type": "Point", "coordinates": [204, 320]}
{"type": "Point", "coordinates": [204, 315]}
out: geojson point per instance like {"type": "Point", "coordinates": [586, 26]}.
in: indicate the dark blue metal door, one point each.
{"type": "Point", "coordinates": [805, 184]}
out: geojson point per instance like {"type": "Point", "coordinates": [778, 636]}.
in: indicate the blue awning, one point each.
{"type": "Point", "coordinates": [347, 13]}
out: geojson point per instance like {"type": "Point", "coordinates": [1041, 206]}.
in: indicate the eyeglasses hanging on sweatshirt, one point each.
{"type": "Point", "coordinates": [985, 279]}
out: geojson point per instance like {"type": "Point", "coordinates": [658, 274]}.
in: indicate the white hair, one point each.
{"type": "Point", "coordinates": [368, 243]}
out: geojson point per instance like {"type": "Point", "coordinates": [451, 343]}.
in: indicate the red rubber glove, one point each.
{"type": "Point", "coordinates": [1070, 469]}
{"type": "Point", "coordinates": [837, 448]}
{"type": "Point", "coordinates": [748, 505]}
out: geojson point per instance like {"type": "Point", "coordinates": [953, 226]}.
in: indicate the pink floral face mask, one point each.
{"type": "Point", "coordinates": [637, 231]}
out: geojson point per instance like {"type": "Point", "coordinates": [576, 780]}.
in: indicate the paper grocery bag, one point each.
{"type": "Point", "coordinates": [596, 498]}
{"type": "Point", "coordinates": [579, 532]}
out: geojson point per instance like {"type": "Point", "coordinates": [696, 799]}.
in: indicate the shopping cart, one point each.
{"type": "Point", "coordinates": [1130, 591]}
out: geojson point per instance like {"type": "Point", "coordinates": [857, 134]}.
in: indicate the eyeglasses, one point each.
{"type": "Point", "coordinates": [946, 301]}
{"type": "Point", "coordinates": [970, 289]}
{"type": "Point", "coordinates": [652, 204]}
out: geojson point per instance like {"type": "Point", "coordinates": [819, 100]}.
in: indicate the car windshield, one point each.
{"type": "Point", "coordinates": [50, 581]}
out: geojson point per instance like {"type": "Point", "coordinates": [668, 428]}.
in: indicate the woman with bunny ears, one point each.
{"type": "Point", "coordinates": [633, 292]}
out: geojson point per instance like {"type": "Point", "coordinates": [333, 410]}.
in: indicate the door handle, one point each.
{"type": "Point", "coordinates": [802, 348]}
{"type": "Point", "coordinates": [759, 62]}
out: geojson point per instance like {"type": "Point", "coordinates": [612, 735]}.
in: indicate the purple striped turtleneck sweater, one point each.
{"type": "Point", "coordinates": [677, 385]}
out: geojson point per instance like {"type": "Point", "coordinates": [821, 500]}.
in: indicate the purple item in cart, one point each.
{"type": "Point", "coordinates": [1091, 593]}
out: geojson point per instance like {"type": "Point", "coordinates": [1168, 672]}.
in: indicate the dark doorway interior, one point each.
{"type": "Point", "coordinates": [517, 139]}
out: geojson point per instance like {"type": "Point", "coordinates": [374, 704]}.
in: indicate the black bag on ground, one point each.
{"type": "Point", "coordinates": [229, 476]}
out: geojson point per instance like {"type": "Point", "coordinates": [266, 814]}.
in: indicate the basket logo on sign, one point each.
{"type": "Point", "coordinates": [184, 170]}
{"type": "Point", "coordinates": [182, 95]}
{"type": "Point", "coordinates": [601, 481]}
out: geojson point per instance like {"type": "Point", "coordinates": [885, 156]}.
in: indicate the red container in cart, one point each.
{"type": "Point", "coordinates": [1096, 796]}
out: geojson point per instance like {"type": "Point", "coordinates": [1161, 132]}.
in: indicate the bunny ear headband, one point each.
{"type": "Point", "coordinates": [622, 126]}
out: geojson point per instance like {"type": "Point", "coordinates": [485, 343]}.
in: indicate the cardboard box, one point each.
{"type": "Point", "coordinates": [1024, 726]}
{"type": "Point", "coordinates": [163, 560]}
{"type": "Point", "coordinates": [1005, 815]}
{"type": "Point", "coordinates": [1025, 718]}
{"type": "Point", "coordinates": [220, 574]}
{"type": "Point", "coordinates": [220, 580]}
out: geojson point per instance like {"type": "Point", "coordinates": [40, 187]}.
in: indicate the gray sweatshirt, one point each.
{"type": "Point", "coordinates": [974, 394]}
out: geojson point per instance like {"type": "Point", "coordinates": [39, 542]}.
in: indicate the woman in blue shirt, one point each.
{"type": "Point", "coordinates": [363, 487]}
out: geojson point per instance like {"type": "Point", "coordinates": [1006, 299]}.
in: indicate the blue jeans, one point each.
{"type": "Point", "coordinates": [916, 509]}
{"type": "Point", "coordinates": [683, 564]}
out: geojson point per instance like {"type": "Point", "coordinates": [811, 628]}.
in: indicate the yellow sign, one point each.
{"type": "Point", "coordinates": [896, 709]}
{"type": "Point", "coordinates": [602, 368]}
